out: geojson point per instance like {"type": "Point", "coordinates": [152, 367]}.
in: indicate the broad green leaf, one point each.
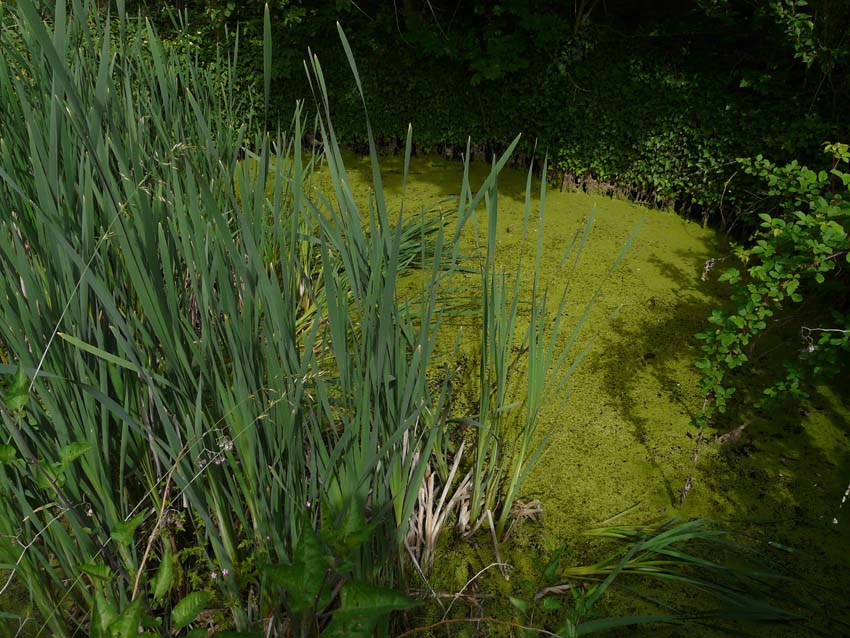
{"type": "Point", "coordinates": [17, 394]}
{"type": "Point", "coordinates": [50, 475]}
{"type": "Point", "coordinates": [103, 614]}
{"type": "Point", "coordinates": [73, 451]}
{"type": "Point", "coordinates": [8, 453]}
{"type": "Point", "coordinates": [363, 607]}
{"type": "Point", "coordinates": [792, 286]}
{"type": "Point", "coordinates": [127, 623]}
{"type": "Point", "coordinates": [186, 611]}
{"type": "Point", "coordinates": [344, 624]}
{"type": "Point", "coordinates": [96, 570]}
{"type": "Point", "coordinates": [349, 533]}
{"type": "Point", "coordinates": [373, 600]}
{"type": "Point", "coordinates": [123, 532]}
{"type": "Point", "coordinates": [164, 575]}
{"type": "Point", "coordinates": [520, 604]}
{"type": "Point", "coordinates": [304, 580]}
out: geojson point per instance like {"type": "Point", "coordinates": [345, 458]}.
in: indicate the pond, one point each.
{"type": "Point", "coordinates": [625, 439]}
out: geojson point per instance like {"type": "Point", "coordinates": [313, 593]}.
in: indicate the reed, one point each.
{"type": "Point", "coordinates": [210, 375]}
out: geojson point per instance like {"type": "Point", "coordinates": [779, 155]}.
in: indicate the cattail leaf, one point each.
{"type": "Point", "coordinates": [102, 354]}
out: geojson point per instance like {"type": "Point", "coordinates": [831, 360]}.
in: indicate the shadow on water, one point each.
{"type": "Point", "coordinates": [647, 355]}
{"type": "Point", "coordinates": [438, 177]}
{"type": "Point", "coordinates": [782, 483]}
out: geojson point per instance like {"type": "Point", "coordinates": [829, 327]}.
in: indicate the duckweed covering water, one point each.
{"type": "Point", "coordinates": [625, 435]}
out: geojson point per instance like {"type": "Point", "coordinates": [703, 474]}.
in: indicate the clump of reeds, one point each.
{"type": "Point", "coordinates": [210, 358]}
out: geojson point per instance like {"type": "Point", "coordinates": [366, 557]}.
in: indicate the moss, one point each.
{"type": "Point", "coordinates": [626, 437]}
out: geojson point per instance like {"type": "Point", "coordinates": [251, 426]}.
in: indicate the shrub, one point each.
{"type": "Point", "coordinates": [791, 273]}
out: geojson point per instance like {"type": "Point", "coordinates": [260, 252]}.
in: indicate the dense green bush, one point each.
{"type": "Point", "coordinates": [793, 277]}
{"type": "Point", "coordinates": [651, 102]}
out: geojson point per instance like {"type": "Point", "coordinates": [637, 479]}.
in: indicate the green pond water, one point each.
{"type": "Point", "coordinates": [625, 436]}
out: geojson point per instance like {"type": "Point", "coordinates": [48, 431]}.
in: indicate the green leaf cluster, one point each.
{"type": "Point", "coordinates": [794, 271]}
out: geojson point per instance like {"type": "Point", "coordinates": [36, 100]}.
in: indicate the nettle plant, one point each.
{"type": "Point", "coordinates": [793, 273]}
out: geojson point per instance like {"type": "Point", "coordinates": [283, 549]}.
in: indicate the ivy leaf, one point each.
{"type": "Point", "coordinates": [186, 611]}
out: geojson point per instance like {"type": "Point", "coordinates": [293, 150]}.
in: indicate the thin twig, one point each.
{"type": "Point", "coordinates": [468, 583]}
{"type": "Point", "coordinates": [419, 571]}
{"type": "Point", "coordinates": [26, 547]}
{"type": "Point", "coordinates": [159, 521]}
